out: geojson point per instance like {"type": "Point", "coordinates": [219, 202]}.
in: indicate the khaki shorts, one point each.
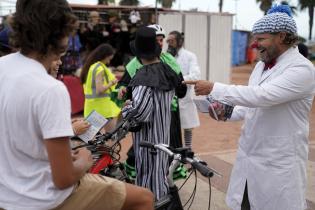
{"type": "Point", "coordinates": [96, 192]}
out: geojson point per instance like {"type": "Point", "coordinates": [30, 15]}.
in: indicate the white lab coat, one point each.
{"type": "Point", "coordinates": [189, 67]}
{"type": "Point", "coordinates": [273, 147]}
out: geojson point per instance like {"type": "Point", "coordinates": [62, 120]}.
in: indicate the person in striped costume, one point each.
{"type": "Point", "coordinates": [152, 89]}
{"type": "Point", "coordinates": [175, 132]}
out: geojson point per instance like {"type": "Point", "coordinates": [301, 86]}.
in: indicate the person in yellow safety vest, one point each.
{"type": "Point", "coordinates": [98, 83]}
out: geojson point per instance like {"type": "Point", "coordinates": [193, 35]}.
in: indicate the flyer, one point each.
{"type": "Point", "coordinates": [97, 122]}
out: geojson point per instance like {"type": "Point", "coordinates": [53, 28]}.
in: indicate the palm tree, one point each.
{"type": "Point", "coordinates": [293, 8]}
{"type": "Point", "coordinates": [220, 5]}
{"type": "Point", "coordinates": [309, 4]}
{"type": "Point", "coordinates": [166, 3]}
{"type": "Point", "coordinates": [105, 1]}
{"type": "Point", "coordinates": [129, 2]}
{"type": "Point", "coordinates": [265, 5]}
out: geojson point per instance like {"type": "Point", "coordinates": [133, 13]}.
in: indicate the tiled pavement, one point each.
{"type": "Point", "coordinates": [216, 143]}
{"type": "Point", "coordinates": [223, 161]}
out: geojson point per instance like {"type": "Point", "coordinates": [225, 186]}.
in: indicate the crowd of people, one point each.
{"type": "Point", "coordinates": [39, 169]}
{"type": "Point", "coordinates": [88, 35]}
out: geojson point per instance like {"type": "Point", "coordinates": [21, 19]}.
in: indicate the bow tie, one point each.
{"type": "Point", "coordinates": [270, 64]}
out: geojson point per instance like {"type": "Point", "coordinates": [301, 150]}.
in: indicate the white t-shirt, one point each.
{"type": "Point", "coordinates": [33, 107]}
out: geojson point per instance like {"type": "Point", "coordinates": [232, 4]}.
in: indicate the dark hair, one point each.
{"type": "Point", "coordinates": [40, 25]}
{"type": "Point", "coordinates": [101, 52]}
{"type": "Point", "coordinates": [290, 39]}
{"type": "Point", "coordinates": [303, 49]}
{"type": "Point", "coordinates": [179, 38]}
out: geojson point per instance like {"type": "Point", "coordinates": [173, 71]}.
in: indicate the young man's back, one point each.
{"type": "Point", "coordinates": [38, 168]}
{"type": "Point", "coordinates": [34, 107]}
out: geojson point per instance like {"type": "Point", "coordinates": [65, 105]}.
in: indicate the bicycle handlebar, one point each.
{"type": "Point", "coordinates": [123, 125]}
{"type": "Point", "coordinates": [185, 156]}
{"type": "Point", "coordinates": [146, 144]}
{"type": "Point", "coordinates": [203, 169]}
{"type": "Point", "coordinates": [119, 132]}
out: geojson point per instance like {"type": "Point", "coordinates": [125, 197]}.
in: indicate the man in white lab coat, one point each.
{"type": "Point", "coordinates": [187, 61]}
{"type": "Point", "coordinates": [273, 147]}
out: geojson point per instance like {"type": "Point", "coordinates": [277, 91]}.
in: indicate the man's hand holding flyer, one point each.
{"type": "Point", "coordinates": [217, 110]}
{"type": "Point", "coordinates": [220, 110]}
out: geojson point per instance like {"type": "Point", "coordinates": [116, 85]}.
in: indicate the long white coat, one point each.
{"type": "Point", "coordinates": [273, 147]}
{"type": "Point", "coordinates": [190, 69]}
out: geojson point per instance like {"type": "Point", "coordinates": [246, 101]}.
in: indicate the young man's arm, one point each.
{"type": "Point", "coordinates": [53, 110]}
{"type": "Point", "coordinates": [67, 169]}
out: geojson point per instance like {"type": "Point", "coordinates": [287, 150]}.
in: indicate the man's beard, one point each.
{"type": "Point", "coordinates": [172, 50]}
{"type": "Point", "coordinates": [268, 54]}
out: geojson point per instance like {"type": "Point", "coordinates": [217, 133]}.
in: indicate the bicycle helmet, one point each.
{"type": "Point", "coordinates": [158, 29]}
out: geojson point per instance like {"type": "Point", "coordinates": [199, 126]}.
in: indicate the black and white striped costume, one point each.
{"type": "Point", "coordinates": [151, 101]}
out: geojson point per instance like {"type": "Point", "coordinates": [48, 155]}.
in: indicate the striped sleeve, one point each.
{"type": "Point", "coordinates": [142, 104]}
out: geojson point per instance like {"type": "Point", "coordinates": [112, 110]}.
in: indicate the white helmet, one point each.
{"type": "Point", "coordinates": [158, 29]}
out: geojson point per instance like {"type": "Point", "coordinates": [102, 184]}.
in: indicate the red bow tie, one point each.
{"type": "Point", "coordinates": [270, 64]}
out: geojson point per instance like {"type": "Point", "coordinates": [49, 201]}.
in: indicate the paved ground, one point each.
{"type": "Point", "coordinates": [216, 143]}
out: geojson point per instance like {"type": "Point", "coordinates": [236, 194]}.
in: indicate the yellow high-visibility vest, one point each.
{"type": "Point", "coordinates": [101, 103]}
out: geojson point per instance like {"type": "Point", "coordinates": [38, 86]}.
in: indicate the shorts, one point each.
{"type": "Point", "coordinates": [96, 192]}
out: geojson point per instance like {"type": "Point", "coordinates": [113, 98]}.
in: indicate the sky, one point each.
{"type": "Point", "coordinates": [246, 11]}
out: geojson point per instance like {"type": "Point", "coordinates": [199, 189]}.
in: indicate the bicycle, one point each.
{"type": "Point", "coordinates": [107, 157]}
{"type": "Point", "coordinates": [105, 149]}
{"type": "Point", "coordinates": [106, 162]}
{"type": "Point", "coordinates": [172, 201]}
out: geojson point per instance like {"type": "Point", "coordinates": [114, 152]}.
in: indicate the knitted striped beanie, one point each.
{"type": "Point", "coordinates": [278, 19]}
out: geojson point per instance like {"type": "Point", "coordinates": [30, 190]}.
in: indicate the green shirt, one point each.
{"type": "Point", "coordinates": [165, 57]}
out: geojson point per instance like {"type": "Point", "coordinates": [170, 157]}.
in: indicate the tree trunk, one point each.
{"type": "Point", "coordinates": [167, 3]}
{"type": "Point", "coordinates": [102, 2]}
{"type": "Point", "coordinates": [129, 2]}
{"type": "Point", "coordinates": [220, 5]}
{"type": "Point", "coordinates": [311, 16]}
{"type": "Point", "coordinates": [265, 5]}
